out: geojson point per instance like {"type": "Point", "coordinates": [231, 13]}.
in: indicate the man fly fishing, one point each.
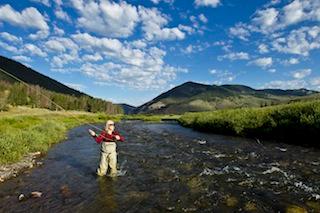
{"type": "Point", "coordinates": [108, 154]}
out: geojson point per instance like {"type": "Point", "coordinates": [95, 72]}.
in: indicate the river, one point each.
{"type": "Point", "coordinates": [166, 167]}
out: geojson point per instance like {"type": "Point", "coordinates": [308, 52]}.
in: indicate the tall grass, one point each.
{"type": "Point", "coordinates": [23, 134]}
{"type": "Point", "coordinates": [297, 123]}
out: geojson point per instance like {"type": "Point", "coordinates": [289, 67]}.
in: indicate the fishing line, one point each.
{"type": "Point", "coordinates": [57, 105]}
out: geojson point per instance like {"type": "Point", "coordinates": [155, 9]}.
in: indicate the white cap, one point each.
{"type": "Point", "coordinates": [109, 122]}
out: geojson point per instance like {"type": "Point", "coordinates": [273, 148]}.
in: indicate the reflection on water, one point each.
{"type": "Point", "coordinates": [165, 167]}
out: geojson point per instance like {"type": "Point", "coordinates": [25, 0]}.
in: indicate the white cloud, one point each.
{"type": "Point", "coordinates": [188, 29]}
{"type": "Point", "coordinates": [44, 2]}
{"type": "Point", "coordinates": [263, 62]}
{"type": "Point", "coordinates": [291, 61]}
{"type": "Point", "coordinates": [22, 58]}
{"type": "Point", "coordinates": [138, 44]}
{"type": "Point", "coordinates": [10, 37]}
{"type": "Point", "coordinates": [58, 31]}
{"type": "Point", "coordinates": [95, 57]}
{"type": "Point", "coordinates": [27, 18]}
{"type": "Point", "coordinates": [60, 60]}
{"type": "Point", "coordinates": [203, 18]}
{"type": "Point", "coordinates": [106, 17]}
{"type": "Point", "coordinates": [235, 56]}
{"type": "Point", "coordinates": [266, 19]}
{"type": "Point", "coordinates": [299, 42]}
{"type": "Point", "coordinates": [241, 31]}
{"type": "Point", "coordinates": [263, 48]}
{"type": "Point", "coordinates": [153, 22]}
{"type": "Point", "coordinates": [222, 76]}
{"type": "Point", "coordinates": [289, 84]}
{"type": "Point", "coordinates": [8, 47]}
{"type": "Point", "coordinates": [41, 34]}
{"type": "Point", "coordinates": [62, 15]}
{"type": "Point", "coordinates": [106, 45]}
{"type": "Point", "coordinates": [210, 3]}
{"type": "Point", "coordinates": [192, 48]}
{"type": "Point", "coordinates": [60, 44]}
{"type": "Point", "coordinates": [166, 1]}
{"type": "Point", "coordinates": [79, 87]}
{"type": "Point", "coordinates": [299, 74]}
{"type": "Point", "coordinates": [271, 20]}
{"type": "Point", "coordinates": [125, 65]}
{"type": "Point", "coordinates": [315, 82]}
{"type": "Point", "coordinates": [34, 50]}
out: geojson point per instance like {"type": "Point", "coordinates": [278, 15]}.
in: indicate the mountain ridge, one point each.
{"type": "Point", "coordinates": [194, 97]}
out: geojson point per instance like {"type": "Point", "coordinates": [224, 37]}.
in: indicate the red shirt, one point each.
{"type": "Point", "coordinates": [105, 137]}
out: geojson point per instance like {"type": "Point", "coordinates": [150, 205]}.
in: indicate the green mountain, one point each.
{"type": "Point", "coordinates": [33, 77]}
{"type": "Point", "coordinates": [42, 91]}
{"type": "Point", "coordinates": [127, 109]}
{"type": "Point", "coordinates": [195, 97]}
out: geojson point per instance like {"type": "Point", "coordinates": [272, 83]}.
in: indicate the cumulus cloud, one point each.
{"type": "Point", "coordinates": [289, 84]}
{"type": "Point", "coordinates": [234, 56]}
{"type": "Point", "coordinates": [315, 82]}
{"type": "Point", "coordinates": [126, 65]}
{"type": "Point", "coordinates": [203, 18]}
{"type": "Point", "coordinates": [192, 48]}
{"type": "Point", "coordinates": [166, 1]}
{"type": "Point", "coordinates": [95, 57]}
{"type": "Point", "coordinates": [208, 3]}
{"type": "Point", "coordinates": [240, 31]}
{"type": "Point", "coordinates": [291, 61]}
{"type": "Point", "coordinates": [8, 47]}
{"type": "Point", "coordinates": [153, 22]}
{"type": "Point", "coordinates": [299, 42]}
{"type": "Point", "coordinates": [11, 38]}
{"type": "Point", "coordinates": [79, 87]}
{"type": "Point", "coordinates": [60, 44]}
{"type": "Point", "coordinates": [34, 50]}
{"type": "Point", "coordinates": [106, 17]}
{"type": "Point", "coordinates": [22, 58]}
{"type": "Point", "coordinates": [264, 62]}
{"type": "Point", "coordinates": [263, 48]}
{"type": "Point", "coordinates": [222, 76]}
{"type": "Point", "coordinates": [27, 18]}
{"type": "Point", "coordinates": [299, 74]}
{"type": "Point", "coordinates": [62, 15]}
{"type": "Point", "coordinates": [271, 20]}
{"type": "Point", "coordinates": [44, 2]}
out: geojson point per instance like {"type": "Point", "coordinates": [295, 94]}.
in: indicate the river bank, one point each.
{"type": "Point", "coordinates": [294, 123]}
{"type": "Point", "coordinates": [27, 134]}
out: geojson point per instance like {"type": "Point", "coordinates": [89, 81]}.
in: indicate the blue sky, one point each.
{"type": "Point", "coordinates": [131, 51]}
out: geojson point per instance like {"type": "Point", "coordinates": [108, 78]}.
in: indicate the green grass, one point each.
{"type": "Point", "coordinates": [22, 134]}
{"type": "Point", "coordinates": [297, 123]}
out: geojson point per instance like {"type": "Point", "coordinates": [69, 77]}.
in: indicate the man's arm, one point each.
{"type": "Point", "coordinates": [118, 137]}
{"type": "Point", "coordinates": [98, 138]}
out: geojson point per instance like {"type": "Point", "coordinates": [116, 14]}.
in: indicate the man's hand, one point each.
{"type": "Point", "coordinates": [117, 137]}
{"type": "Point", "coordinates": [92, 133]}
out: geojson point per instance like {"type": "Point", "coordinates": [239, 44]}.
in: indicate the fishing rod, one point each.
{"type": "Point", "coordinates": [53, 102]}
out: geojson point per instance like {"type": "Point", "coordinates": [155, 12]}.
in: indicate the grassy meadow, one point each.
{"type": "Point", "coordinates": [295, 123]}
{"type": "Point", "coordinates": [24, 130]}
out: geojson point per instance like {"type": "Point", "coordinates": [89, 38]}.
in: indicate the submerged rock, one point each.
{"type": "Point", "coordinates": [296, 209]}
{"type": "Point", "coordinates": [36, 194]}
{"type": "Point", "coordinates": [250, 206]}
{"type": "Point", "coordinates": [21, 197]}
{"type": "Point", "coordinates": [231, 201]}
